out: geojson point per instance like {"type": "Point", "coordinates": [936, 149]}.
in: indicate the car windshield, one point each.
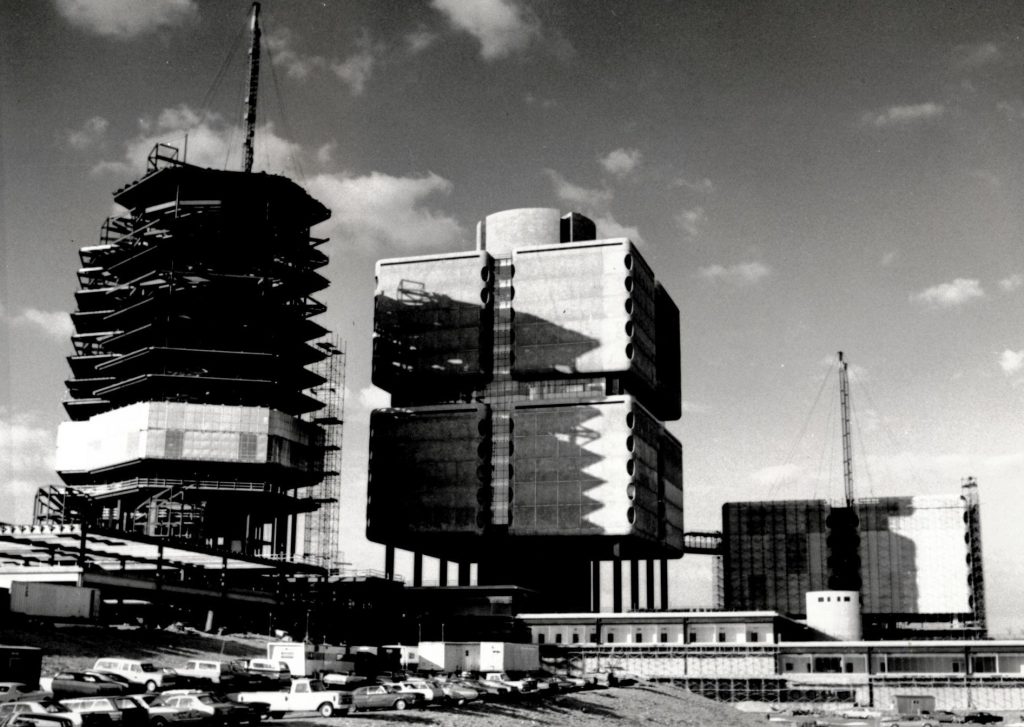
{"type": "Point", "coordinates": [53, 707]}
{"type": "Point", "coordinates": [149, 667]}
{"type": "Point", "coordinates": [317, 687]}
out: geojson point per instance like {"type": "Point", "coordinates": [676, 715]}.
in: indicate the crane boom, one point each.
{"type": "Point", "coordinates": [254, 80]}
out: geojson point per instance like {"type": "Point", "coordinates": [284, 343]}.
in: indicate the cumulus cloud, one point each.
{"type": "Point", "coordinates": [1011, 283]}
{"type": "Point", "coordinates": [297, 65]}
{"type": "Point", "coordinates": [740, 274]}
{"type": "Point", "coordinates": [595, 203]}
{"type": "Point", "coordinates": [949, 295]}
{"type": "Point", "coordinates": [212, 142]}
{"type": "Point", "coordinates": [419, 40]}
{"type": "Point", "coordinates": [27, 449]}
{"type": "Point", "coordinates": [379, 210]}
{"type": "Point", "coordinates": [1011, 361]}
{"type": "Point", "coordinates": [586, 198]}
{"type": "Point", "coordinates": [126, 19]}
{"type": "Point", "coordinates": [502, 27]}
{"type": "Point", "coordinates": [691, 220]}
{"type": "Point", "coordinates": [370, 397]}
{"type": "Point", "coordinates": [621, 162]}
{"type": "Point", "coordinates": [357, 69]}
{"type": "Point", "coordinates": [904, 115]}
{"type": "Point", "coordinates": [52, 324]}
{"type": "Point", "coordinates": [88, 134]}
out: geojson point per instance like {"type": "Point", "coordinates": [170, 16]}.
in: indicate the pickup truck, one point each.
{"type": "Point", "coordinates": [303, 695]}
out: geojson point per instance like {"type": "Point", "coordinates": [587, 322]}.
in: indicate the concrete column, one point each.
{"type": "Point", "coordinates": [464, 573]}
{"type": "Point", "coordinates": [595, 586]}
{"type": "Point", "coordinates": [617, 585]}
{"type": "Point", "coordinates": [442, 572]}
{"type": "Point", "coordinates": [634, 585]}
{"type": "Point", "coordinates": [664, 584]}
{"type": "Point", "coordinates": [389, 562]}
{"type": "Point", "coordinates": [651, 605]}
{"type": "Point", "coordinates": [417, 569]}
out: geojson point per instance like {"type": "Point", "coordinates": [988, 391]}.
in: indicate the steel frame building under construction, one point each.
{"type": "Point", "coordinates": [190, 416]}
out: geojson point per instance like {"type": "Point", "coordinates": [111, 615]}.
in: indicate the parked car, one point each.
{"type": "Point", "coordinates": [117, 709]}
{"type": "Point", "coordinates": [262, 673]}
{"type": "Point", "coordinates": [78, 683]}
{"type": "Point", "coordinates": [487, 690]}
{"type": "Point", "coordinates": [216, 708]}
{"type": "Point", "coordinates": [944, 716]}
{"type": "Point", "coordinates": [164, 715]}
{"type": "Point", "coordinates": [14, 690]}
{"type": "Point", "coordinates": [458, 693]}
{"type": "Point", "coordinates": [139, 673]}
{"type": "Point", "coordinates": [431, 694]}
{"type": "Point", "coordinates": [45, 705]}
{"type": "Point", "coordinates": [982, 718]}
{"type": "Point", "coordinates": [908, 720]}
{"type": "Point", "coordinates": [204, 673]}
{"type": "Point", "coordinates": [31, 719]}
{"type": "Point", "coordinates": [383, 696]}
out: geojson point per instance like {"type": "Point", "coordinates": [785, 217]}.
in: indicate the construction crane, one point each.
{"type": "Point", "coordinates": [254, 81]}
{"type": "Point", "coordinates": [843, 523]}
{"type": "Point", "coordinates": [844, 405]}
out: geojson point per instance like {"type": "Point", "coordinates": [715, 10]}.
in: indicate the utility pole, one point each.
{"type": "Point", "coordinates": [254, 81]}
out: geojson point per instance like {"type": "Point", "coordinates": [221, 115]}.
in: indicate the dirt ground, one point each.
{"type": "Point", "coordinates": [642, 704]}
{"type": "Point", "coordinates": [78, 647]}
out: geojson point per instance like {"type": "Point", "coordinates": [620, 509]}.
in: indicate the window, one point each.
{"type": "Point", "coordinates": [639, 637]}
{"type": "Point", "coordinates": [540, 640]}
{"type": "Point", "coordinates": [789, 666]}
{"type": "Point", "coordinates": [721, 637]}
{"type": "Point", "coordinates": [247, 447]}
{"type": "Point", "coordinates": [753, 637]}
{"type": "Point", "coordinates": [846, 598]}
{"type": "Point", "coordinates": [691, 637]}
{"type": "Point", "coordinates": [611, 636]}
{"type": "Point", "coordinates": [558, 638]}
{"type": "Point", "coordinates": [575, 638]}
{"type": "Point", "coordinates": [664, 637]}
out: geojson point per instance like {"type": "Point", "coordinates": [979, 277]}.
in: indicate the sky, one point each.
{"type": "Point", "coordinates": [803, 177]}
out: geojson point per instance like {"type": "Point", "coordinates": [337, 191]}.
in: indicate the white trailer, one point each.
{"type": "Point", "coordinates": [55, 601]}
{"type": "Point", "coordinates": [478, 656]}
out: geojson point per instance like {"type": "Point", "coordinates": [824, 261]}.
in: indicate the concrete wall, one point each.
{"type": "Point", "coordinates": [180, 431]}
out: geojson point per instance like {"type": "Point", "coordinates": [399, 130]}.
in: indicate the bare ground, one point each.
{"type": "Point", "coordinates": [78, 647]}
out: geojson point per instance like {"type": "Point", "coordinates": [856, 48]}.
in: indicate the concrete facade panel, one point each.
{"type": "Point", "coordinates": [180, 431]}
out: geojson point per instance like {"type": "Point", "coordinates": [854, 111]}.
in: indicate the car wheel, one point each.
{"type": "Point", "coordinates": [150, 686]}
{"type": "Point", "coordinates": [400, 704]}
{"type": "Point", "coordinates": [276, 715]}
{"type": "Point", "coordinates": [325, 710]}
{"type": "Point", "coordinates": [158, 722]}
{"type": "Point", "coordinates": [460, 702]}
{"type": "Point", "coordinates": [353, 709]}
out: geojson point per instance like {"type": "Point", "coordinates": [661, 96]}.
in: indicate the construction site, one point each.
{"type": "Point", "coordinates": [526, 442]}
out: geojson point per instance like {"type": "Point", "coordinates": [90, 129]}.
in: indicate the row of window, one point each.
{"type": "Point", "coordinates": [638, 638]}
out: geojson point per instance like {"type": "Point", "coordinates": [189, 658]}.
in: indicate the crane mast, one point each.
{"type": "Point", "coordinates": [254, 80]}
{"type": "Point", "coordinates": [844, 403]}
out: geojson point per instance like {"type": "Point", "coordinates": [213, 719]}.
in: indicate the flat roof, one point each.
{"type": "Point", "coordinates": [655, 615]}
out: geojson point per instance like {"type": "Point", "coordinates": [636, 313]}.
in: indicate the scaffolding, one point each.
{"type": "Point", "coordinates": [322, 531]}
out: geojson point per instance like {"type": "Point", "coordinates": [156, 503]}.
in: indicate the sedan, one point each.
{"type": "Point", "coordinates": [84, 684]}
{"type": "Point", "coordinates": [383, 696]}
{"type": "Point", "coordinates": [982, 718]}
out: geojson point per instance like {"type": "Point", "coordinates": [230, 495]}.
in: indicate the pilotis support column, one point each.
{"type": "Point", "coordinates": [617, 585]}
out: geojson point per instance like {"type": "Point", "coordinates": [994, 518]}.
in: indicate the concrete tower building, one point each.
{"type": "Point", "coordinates": [530, 379]}
{"type": "Point", "coordinates": [192, 337]}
